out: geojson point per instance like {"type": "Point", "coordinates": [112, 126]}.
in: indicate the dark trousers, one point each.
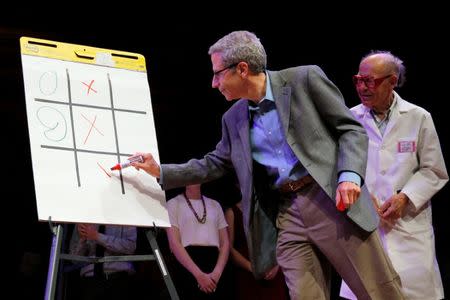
{"type": "Point", "coordinates": [114, 287]}
{"type": "Point", "coordinates": [205, 258]}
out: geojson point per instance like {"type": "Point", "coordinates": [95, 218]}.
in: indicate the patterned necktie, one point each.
{"type": "Point", "coordinates": [266, 106]}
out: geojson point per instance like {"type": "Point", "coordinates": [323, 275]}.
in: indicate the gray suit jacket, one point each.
{"type": "Point", "coordinates": [321, 132]}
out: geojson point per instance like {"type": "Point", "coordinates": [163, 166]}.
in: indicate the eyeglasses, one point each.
{"type": "Point", "coordinates": [217, 73]}
{"type": "Point", "coordinates": [369, 81]}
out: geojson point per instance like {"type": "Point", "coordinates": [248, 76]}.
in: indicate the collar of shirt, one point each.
{"type": "Point", "coordinates": [268, 96]}
{"type": "Point", "coordinates": [388, 113]}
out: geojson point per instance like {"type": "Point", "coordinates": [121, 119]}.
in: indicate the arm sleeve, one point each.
{"type": "Point", "coordinates": [119, 239]}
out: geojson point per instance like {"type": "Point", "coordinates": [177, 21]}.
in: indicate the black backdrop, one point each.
{"type": "Point", "coordinates": [187, 110]}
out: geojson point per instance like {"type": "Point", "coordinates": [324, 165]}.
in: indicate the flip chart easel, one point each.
{"type": "Point", "coordinates": [87, 110]}
{"type": "Point", "coordinates": [56, 256]}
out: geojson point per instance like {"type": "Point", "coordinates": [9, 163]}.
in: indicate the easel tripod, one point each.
{"type": "Point", "coordinates": [56, 255]}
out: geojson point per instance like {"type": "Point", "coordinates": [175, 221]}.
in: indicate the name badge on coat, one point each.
{"type": "Point", "coordinates": [406, 146]}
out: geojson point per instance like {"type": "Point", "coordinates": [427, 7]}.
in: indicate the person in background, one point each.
{"type": "Point", "coordinates": [199, 240]}
{"type": "Point", "coordinates": [300, 159]}
{"type": "Point", "coordinates": [109, 280]}
{"type": "Point", "coordinates": [272, 286]}
{"type": "Point", "coordinates": [405, 169]}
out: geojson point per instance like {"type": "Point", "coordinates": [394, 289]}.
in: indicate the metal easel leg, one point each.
{"type": "Point", "coordinates": [162, 267]}
{"type": "Point", "coordinates": [54, 261]}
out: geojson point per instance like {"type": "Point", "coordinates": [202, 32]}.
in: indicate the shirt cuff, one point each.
{"type": "Point", "coordinates": [350, 176]}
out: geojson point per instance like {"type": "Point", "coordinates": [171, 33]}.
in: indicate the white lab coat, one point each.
{"type": "Point", "coordinates": [407, 158]}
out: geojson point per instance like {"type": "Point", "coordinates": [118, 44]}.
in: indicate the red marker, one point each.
{"type": "Point", "coordinates": [128, 162]}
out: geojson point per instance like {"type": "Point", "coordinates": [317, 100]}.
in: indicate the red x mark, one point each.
{"type": "Point", "coordinates": [103, 170]}
{"type": "Point", "coordinates": [90, 129]}
{"type": "Point", "coordinates": [89, 86]}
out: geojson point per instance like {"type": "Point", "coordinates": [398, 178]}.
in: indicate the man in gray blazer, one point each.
{"type": "Point", "coordinates": [300, 158]}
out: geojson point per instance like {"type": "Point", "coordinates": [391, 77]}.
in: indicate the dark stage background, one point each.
{"type": "Point", "coordinates": [188, 111]}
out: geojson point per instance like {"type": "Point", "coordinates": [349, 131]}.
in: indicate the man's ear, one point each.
{"type": "Point", "coordinates": [393, 80]}
{"type": "Point", "coordinates": [242, 68]}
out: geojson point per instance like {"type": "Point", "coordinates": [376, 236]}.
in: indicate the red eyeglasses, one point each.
{"type": "Point", "coordinates": [369, 81]}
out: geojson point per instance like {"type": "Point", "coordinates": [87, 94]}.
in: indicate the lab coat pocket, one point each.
{"type": "Point", "coordinates": [415, 222]}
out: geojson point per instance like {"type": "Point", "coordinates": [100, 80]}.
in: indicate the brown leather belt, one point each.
{"type": "Point", "coordinates": [295, 185]}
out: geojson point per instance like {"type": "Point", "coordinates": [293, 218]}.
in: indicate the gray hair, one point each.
{"type": "Point", "coordinates": [393, 63]}
{"type": "Point", "coordinates": [240, 46]}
